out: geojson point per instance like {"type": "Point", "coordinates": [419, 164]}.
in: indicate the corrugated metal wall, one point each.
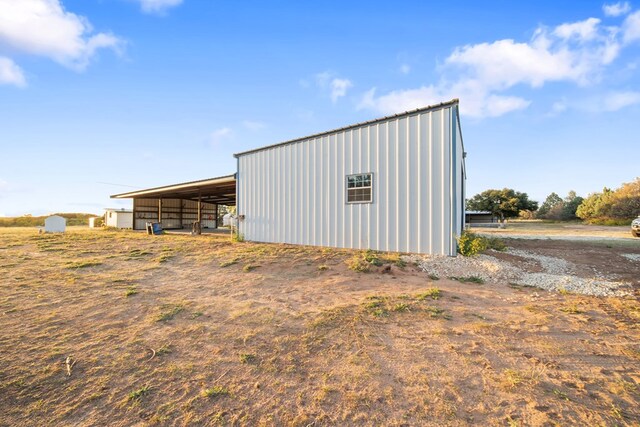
{"type": "Point", "coordinates": [295, 193]}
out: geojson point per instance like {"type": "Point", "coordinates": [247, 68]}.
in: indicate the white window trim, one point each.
{"type": "Point", "coordinates": [346, 186]}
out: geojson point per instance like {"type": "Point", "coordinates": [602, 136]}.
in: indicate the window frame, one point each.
{"type": "Point", "coordinates": [346, 187]}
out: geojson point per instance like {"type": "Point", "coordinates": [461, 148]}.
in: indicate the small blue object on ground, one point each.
{"type": "Point", "coordinates": [157, 228]}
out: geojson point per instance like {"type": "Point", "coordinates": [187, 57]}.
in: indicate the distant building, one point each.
{"type": "Point", "coordinates": [481, 218]}
{"type": "Point", "coordinates": [55, 224]}
{"type": "Point", "coordinates": [118, 218]}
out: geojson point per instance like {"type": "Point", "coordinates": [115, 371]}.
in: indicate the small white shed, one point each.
{"type": "Point", "coordinates": [92, 221]}
{"type": "Point", "coordinates": [55, 224]}
{"type": "Point", "coordinates": [118, 218]}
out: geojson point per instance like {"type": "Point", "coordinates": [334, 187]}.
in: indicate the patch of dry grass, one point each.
{"type": "Point", "coordinates": [203, 343]}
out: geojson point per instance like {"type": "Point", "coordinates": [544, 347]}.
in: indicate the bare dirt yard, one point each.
{"type": "Point", "coordinates": [121, 328]}
{"type": "Point", "coordinates": [537, 229]}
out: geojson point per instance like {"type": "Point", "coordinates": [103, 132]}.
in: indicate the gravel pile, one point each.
{"type": "Point", "coordinates": [484, 266]}
{"type": "Point", "coordinates": [550, 264]}
{"type": "Point", "coordinates": [557, 274]}
{"type": "Point", "coordinates": [632, 257]}
{"type": "Point", "coordinates": [575, 284]}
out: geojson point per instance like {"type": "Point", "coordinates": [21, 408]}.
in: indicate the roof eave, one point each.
{"type": "Point", "coordinates": [447, 104]}
{"type": "Point", "coordinates": [151, 191]}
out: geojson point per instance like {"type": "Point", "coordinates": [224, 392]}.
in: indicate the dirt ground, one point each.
{"type": "Point", "coordinates": [180, 330]}
{"type": "Point", "coordinates": [589, 257]}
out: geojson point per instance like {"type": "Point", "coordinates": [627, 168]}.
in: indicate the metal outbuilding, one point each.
{"type": "Point", "coordinates": [55, 224]}
{"type": "Point", "coordinates": [118, 218]}
{"type": "Point", "coordinates": [392, 184]}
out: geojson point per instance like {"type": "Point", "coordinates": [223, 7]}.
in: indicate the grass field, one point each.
{"type": "Point", "coordinates": [120, 328]}
{"type": "Point", "coordinates": [559, 230]}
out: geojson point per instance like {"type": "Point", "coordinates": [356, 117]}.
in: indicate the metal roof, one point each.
{"type": "Point", "coordinates": [220, 190]}
{"type": "Point", "coordinates": [454, 101]}
{"type": "Point", "coordinates": [118, 210]}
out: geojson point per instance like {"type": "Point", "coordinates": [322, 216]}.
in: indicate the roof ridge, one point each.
{"type": "Point", "coordinates": [454, 101]}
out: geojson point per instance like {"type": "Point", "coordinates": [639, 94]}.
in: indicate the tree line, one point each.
{"type": "Point", "coordinates": [36, 221]}
{"type": "Point", "coordinates": [609, 207]}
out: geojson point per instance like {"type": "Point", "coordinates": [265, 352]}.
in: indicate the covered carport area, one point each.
{"type": "Point", "coordinates": [179, 206]}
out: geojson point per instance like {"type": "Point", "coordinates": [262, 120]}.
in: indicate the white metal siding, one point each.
{"type": "Point", "coordinates": [119, 219]}
{"type": "Point", "coordinates": [124, 219]}
{"type": "Point", "coordinates": [295, 193]}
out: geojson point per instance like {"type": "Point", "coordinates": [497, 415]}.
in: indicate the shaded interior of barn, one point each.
{"type": "Point", "coordinates": [178, 206]}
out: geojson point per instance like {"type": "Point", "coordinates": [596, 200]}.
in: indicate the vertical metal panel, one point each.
{"type": "Point", "coordinates": [374, 239]}
{"type": "Point", "coordinates": [295, 193]}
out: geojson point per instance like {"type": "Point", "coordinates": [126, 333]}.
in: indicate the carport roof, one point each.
{"type": "Point", "coordinates": [220, 190]}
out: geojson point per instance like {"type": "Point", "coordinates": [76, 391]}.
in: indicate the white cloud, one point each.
{"type": "Point", "coordinates": [158, 6]}
{"type": "Point", "coordinates": [618, 100]}
{"type": "Point", "coordinates": [477, 102]}
{"type": "Point", "coordinates": [11, 74]}
{"type": "Point", "coordinates": [478, 74]}
{"type": "Point", "coordinates": [574, 52]}
{"type": "Point", "coordinates": [405, 68]}
{"type": "Point", "coordinates": [582, 30]}
{"type": "Point", "coordinates": [558, 107]}
{"type": "Point", "coordinates": [337, 87]}
{"type": "Point", "coordinates": [44, 28]}
{"type": "Point", "coordinates": [631, 28]}
{"type": "Point", "coordinates": [616, 9]}
{"type": "Point", "coordinates": [220, 135]}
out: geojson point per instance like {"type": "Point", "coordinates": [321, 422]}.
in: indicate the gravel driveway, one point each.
{"type": "Point", "coordinates": [591, 266]}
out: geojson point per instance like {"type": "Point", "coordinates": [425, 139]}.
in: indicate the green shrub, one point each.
{"type": "Point", "coordinates": [362, 261]}
{"type": "Point", "coordinates": [372, 258]}
{"type": "Point", "coordinates": [433, 293]}
{"type": "Point", "coordinates": [470, 244]}
{"type": "Point", "coordinates": [358, 263]}
{"type": "Point", "coordinates": [496, 244]}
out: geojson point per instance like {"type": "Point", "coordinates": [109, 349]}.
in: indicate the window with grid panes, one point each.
{"type": "Point", "coordinates": [360, 188]}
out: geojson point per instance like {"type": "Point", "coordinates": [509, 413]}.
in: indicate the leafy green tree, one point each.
{"type": "Point", "coordinates": [596, 205]}
{"type": "Point", "coordinates": [612, 207]}
{"type": "Point", "coordinates": [570, 205]}
{"type": "Point", "coordinates": [549, 204]}
{"type": "Point", "coordinates": [505, 203]}
{"type": "Point", "coordinates": [626, 201]}
{"type": "Point", "coordinates": [29, 220]}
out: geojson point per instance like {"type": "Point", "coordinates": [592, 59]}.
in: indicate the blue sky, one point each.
{"type": "Point", "coordinates": [104, 96]}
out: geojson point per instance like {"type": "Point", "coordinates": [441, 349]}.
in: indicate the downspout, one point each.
{"type": "Point", "coordinates": [238, 194]}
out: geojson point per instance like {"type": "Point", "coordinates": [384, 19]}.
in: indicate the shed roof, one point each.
{"type": "Point", "coordinates": [122, 210]}
{"type": "Point", "coordinates": [220, 190]}
{"type": "Point", "coordinates": [453, 102]}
